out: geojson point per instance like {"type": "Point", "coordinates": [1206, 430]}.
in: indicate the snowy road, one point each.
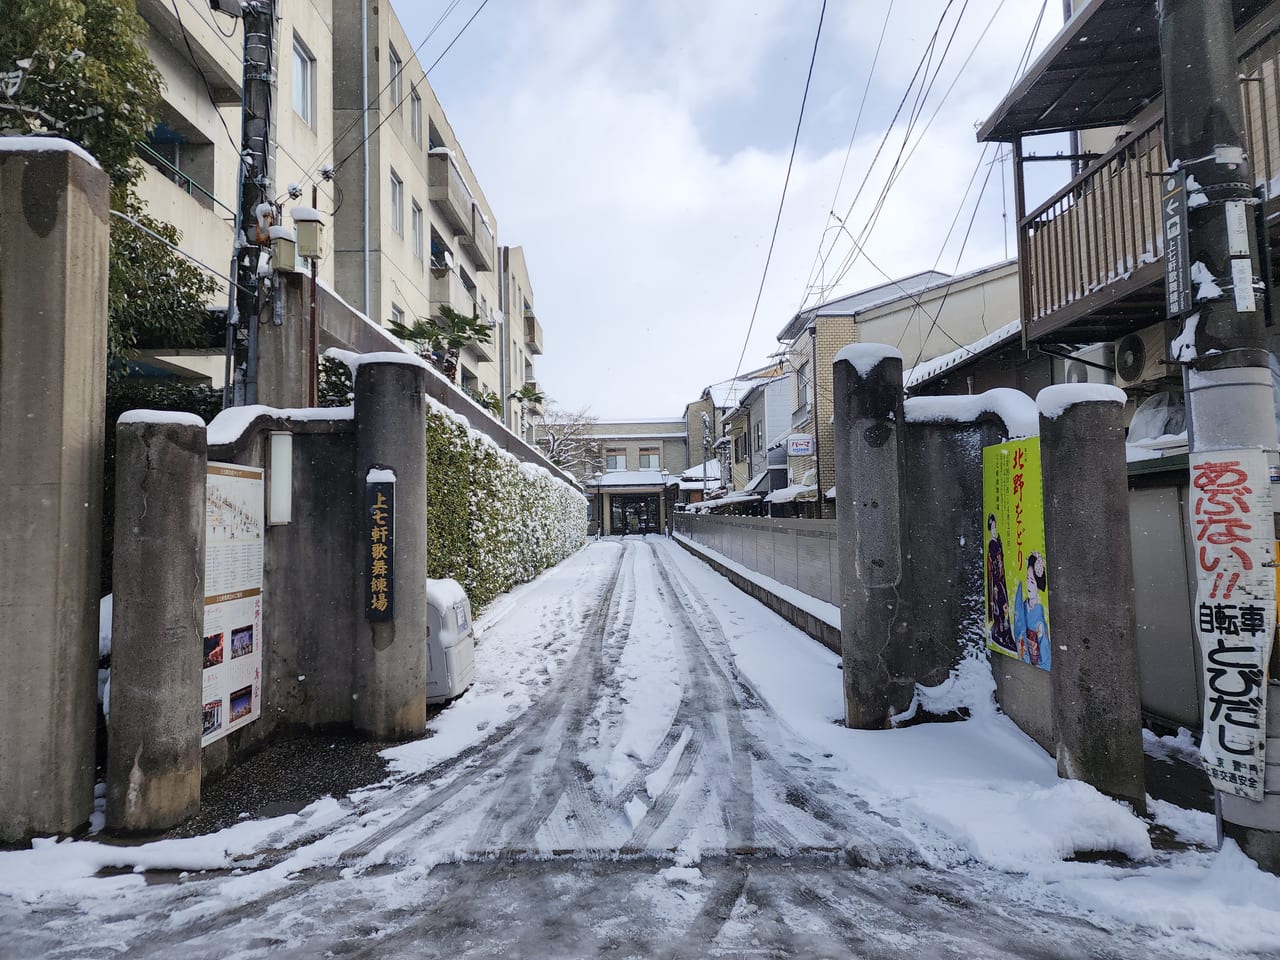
{"type": "Point", "coordinates": [614, 785]}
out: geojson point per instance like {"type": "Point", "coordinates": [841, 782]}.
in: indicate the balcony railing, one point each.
{"type": "Point", "coordinates": [479, 242]}
{"type": "Point", "coordinates": [532, 333]}
{"type": "Point", "coordinates": [448, 192]}
{"type": "Point", "coordinates": [1101, 238]}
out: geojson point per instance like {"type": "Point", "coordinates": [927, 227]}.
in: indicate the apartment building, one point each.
{"type": "Point", "coordinates": [408, 230]}
{"type": "Point", "coordinates": [757, 430]}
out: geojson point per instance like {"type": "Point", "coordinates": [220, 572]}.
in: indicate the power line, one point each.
{"type": "Point", "coordinates": [786, 181]}
{"type": "Point", "coordinates": [204, 79]}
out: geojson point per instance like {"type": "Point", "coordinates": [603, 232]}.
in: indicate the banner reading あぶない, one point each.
{"type": "Point", "coordinates": [1015, 571]}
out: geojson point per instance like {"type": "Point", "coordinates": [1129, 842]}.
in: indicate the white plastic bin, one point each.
{"type": "Point", "coordinates": [451, 642]}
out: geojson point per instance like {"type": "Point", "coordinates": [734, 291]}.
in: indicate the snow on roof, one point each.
{"type": "Point", "coordinates": [711, 483]}
{"type": "Point", "coordinates": [756, 480]}
{"type": "Point", "coordinates": [793, 492]}
{"type": "Point", "coordinates": [727, 393]}
{"type": "Point", "coordinates": [712, 471]}
{"type": "Point", "coordinates": [922, 373]}
{"type": "Point", "coordinates": [629, 478]}
{"type": "Point", "coordinates": [710, 506]}
{"type": "Point", "coordinates": [854, 303]}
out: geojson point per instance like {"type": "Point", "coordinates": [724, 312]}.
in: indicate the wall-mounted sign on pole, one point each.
{"type": "Point", "coordinates": [232, 680]}
{"type": "Point", "coordinates": [1177, 254]}
{"type": "Point", "coordinates": [800, 445]}
{"type": "Point", "coordinates": [1235, 611]}
{"type": "Point", "coordinates": [380, 528]}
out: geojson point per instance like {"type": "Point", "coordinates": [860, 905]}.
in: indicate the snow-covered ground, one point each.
{"type": "Point", "coordinates": [650, 763]}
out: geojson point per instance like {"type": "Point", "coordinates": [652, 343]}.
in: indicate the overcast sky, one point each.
{"type": "Point", "coordinates": [637, 151]}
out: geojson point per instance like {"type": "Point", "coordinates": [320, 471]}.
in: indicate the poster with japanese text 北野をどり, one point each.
{"type": "Point", "coordinates": [1015, 569]}
{"type": "Point", "coordinates": [1235, 614]}
{"type": "Point", "coordinates": [232, 647]}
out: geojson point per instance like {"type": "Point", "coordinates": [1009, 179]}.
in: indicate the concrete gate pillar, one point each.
{"type": "Point", "coordinates": [943, 443]}
{"type": "Point", "coordinates": [53, 365]}
{"type": "Point", "coordinates": [870, 528]}
{"type": "Point", "coordinates": [389, 670]}
{"type": "Point", "coordinates": [1096, 706]}
{"type": "Point", "coordinates": [157, 657]}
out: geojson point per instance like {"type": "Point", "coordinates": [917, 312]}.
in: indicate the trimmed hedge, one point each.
{"type": "Point", "coordinates": [492, 521]}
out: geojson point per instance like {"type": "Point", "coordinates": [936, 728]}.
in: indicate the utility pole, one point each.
{"type": "Point", "coordinates": [257, 169]}
{"type": "Point", "coordinates": [1233, 417]}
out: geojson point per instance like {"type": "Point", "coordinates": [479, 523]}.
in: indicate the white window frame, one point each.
{"type": "Point", "coordinates": [397, 203]}
{"type": "Point", "coordinates": [612, 458]}
{"type": "Point", "coordinates": [804, 384]}
{"type": "Point", "coordinates": [397, 315]}
{"type": "Point", "coordinates": [650, 461]}
{"type": "Point", "coordinates": [395, 67]}
{"type": "Point", "coordinates": [415, 114]}
{"type": "Point", "coordinates": [415, 228]}
{"type": "Point", "coordinates": [304, 82]}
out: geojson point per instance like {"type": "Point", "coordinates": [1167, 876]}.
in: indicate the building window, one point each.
{"type": "Point", "coordinates": [395, 67]}
{"type": "Point", "coordinates": [650, 458]}
{"type": "Point", "coordinates": [397, 204]}
{"type": "Point", "coordinates": [304, 83]}
{"type": "Point", "coordinates": [415, 115]}
{"type": "Point", "coordinates": [615, 458]}
{"type": "Point", "coordinates": [415, 226]}
{"type": "Point", "coordinates": [759, 436]}
{"type": "Point", "coordinates": [397, 315]}
{"type": "Point", "coordinates": [740, 447]}
{"type": "Point", "coordinates": [803, 385]}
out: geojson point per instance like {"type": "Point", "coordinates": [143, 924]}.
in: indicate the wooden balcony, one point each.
{"type": "Point", "coordinates": [1092, 256]}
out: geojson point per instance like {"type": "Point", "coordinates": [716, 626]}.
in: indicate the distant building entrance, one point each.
{"type": "Point", "coordinates": [634, 513]}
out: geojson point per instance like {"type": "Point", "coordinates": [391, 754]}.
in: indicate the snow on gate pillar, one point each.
{"type": "Point", "coordinates": [389, 666]}
{"type": "Point", "coordinates": [870, 529]}
{"type": "Point", "coordinates": [1096, 709]}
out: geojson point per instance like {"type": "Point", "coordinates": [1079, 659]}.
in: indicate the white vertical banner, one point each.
{"type": "Point", "coordinates": [232, 679]}
{"type": "Point", "coordinates": [1235, 615]}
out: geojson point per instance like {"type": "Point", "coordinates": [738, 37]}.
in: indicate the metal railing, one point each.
{"type": "Point", "coordinates": [179, 178]}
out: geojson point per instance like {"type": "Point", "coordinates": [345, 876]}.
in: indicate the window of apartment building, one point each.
{"type": "Point", "coordinates": [471, 305]}
{"type": "Point", "coordinates": [740, 447]}
{"type": "Point", "coordinates": [759, 436]}
{"type": "Point", "coordinates": [434, 139]}
{"type": "Point", "coordinates": [470, 383]}
{"type": "Point", "coordinates": [650, 458]}
{"type": "Point", "coordinates": [615, 458]}
{"type": "Point", "coordinates": [395, 67]}
{"type": "Point", "coordinates": [304, 82]}
{"type": "Point", "coordinates": [397, 315]}
{"type": "Point", "coordinates": [415, 115]}
{"type": "Point", "coordinates": [415, 227]}
{"type": "Point", "coordinates": [397, 203]}
{"type": "Point", "coordinates": [804, 386]}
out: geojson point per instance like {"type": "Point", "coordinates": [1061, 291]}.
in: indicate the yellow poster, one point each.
{"type": "Point", "coordinates": [1014, 559]}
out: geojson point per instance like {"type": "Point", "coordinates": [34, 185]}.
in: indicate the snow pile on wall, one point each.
{"type": "Point", "coordinates": [492, 521]}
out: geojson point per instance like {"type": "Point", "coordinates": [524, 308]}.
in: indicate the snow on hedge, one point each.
{"type": "Point", "coordinates": [492, 521]}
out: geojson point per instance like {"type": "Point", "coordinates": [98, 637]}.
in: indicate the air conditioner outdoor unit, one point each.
{"type": "Point", "coordinates": [1092, 364]}
{"type": "Point", "coordinates": [1140, 356]}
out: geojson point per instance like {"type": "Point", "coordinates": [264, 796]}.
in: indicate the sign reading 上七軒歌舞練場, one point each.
{"type": "Point", "coordinates": [231, 688]}
{"type": "Point", "coordinates": [1235, 613]}
{"type": "Point", "coordinates": [1015, 568]}
{"type": "Point", "coordinates": [380, 525]}
{"type": "Point", "coordinates": [1177, 256]}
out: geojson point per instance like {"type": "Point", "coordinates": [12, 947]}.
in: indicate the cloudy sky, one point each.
{"type": "Point", "coordinates": [637, 151]}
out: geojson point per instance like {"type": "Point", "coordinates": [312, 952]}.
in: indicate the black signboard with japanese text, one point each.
{"type": "Point", "coordinates": [379, 547]}
{"type": "Point", "coordinates": [1177, 254]}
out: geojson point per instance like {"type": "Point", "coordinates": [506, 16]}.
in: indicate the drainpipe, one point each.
{"type": "Point", "coordinates": [817, 448]}
{"type": "Point", "coordinates": [504, 379]}
{"type": "Point", "coordinates": [364, 150]}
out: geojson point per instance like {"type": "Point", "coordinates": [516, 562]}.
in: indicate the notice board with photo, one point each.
{"type": "Point", "coordinates": [232, 646]}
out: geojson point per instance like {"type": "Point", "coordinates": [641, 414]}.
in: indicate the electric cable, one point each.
{"type": "Point", "coordinates": [786, 181]}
